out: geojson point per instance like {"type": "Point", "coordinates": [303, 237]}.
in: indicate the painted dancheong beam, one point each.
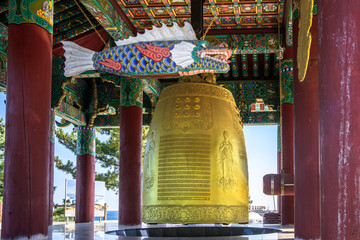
{"type": "Point", "coordinates": [71, 114]}
{"type": "Point", "coordinates": [255, 65]}
{"type": "Point", "coordinates": [3, 56]}
{"type": "Point", "coordinates": [109, 19]}
{"type": "Point", "coordinates": [2, 81]}
{"type": "Point", "coordinates": [244, 65]}
{"type": "Point", "coordinates": [254, 43]}
{"type": "Point", "coordinates": [266, 65]}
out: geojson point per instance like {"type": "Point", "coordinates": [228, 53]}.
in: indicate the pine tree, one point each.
{"type": "Point", "coordinates": [107, 155]}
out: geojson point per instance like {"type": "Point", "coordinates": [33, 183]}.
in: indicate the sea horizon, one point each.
{"type": "Point", "coordinates": [111, 215]}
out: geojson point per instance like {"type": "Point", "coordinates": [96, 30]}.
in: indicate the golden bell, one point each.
{"type": "Point", "coordinates": [195, 165]}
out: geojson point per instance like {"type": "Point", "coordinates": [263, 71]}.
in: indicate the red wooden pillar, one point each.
{"type": "Point", "coordinates": [27, 150]}
{"type": "Point", "coordinates": [306, 108]}
{"type": "Point", "coordinates": [51, 167]}
{"type": "Point", "coordinates": [85, 175]}
{"type": "Point", "coordinates": [287, 132]}
{"type": "Point", "coordinates": [287, 202]}
{"type": "Point", "coordinates": [339, 113]}
{"type": "Point", "coordinates": [130, 152]}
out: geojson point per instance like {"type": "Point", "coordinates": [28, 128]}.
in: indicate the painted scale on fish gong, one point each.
{"type": "Point", "coordinates": [137, 59]}
{"type": "Point", "coordinates": [156, 58]}
{"type": "Point", "coordinates": [164, 52]}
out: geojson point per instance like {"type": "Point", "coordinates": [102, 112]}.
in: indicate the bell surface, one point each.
{"type": "Point", "coordinates": [195, 164]}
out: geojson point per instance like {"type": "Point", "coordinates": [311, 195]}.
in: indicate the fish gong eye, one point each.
{"type": "Point", "coordinates": [205, 45]}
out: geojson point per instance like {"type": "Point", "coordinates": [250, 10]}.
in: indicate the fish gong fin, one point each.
{"type": "Point", "coordinates": [163, 33]}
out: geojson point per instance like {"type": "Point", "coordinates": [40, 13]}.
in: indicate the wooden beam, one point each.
{"type": "Point", "coordinates": [197, 17]}
{"type": "Point", "coordinates": [241, 31]}
{"type": "Point", "coordinates": [71, 114]}
{"type": "Point", "coordinates": [88, 40]}
{"type": "Point", "coordinates": [123, 16]}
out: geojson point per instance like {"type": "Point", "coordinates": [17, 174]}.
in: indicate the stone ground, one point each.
{"type": "Point", "coordinates": [88, 231]}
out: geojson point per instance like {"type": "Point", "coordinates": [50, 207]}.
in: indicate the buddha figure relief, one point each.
{"type": "Point", "coordinates": [227, 164]}
{"type": "Point", "coordinates": [149, 163]}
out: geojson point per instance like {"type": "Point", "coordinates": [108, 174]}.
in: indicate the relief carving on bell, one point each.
{"type": "Point", "coordinates": [195, 165]}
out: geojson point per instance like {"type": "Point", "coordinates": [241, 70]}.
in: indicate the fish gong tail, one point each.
{"type": "Point", "coordinates": [78, 59]}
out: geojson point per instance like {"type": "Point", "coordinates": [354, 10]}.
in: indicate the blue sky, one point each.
{"type": "Point", "coordinates": [261, 146]}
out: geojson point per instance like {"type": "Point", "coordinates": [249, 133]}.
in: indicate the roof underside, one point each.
{"type": "Point", "coordinates": [250, 27]}
{"type": "Point", "coordinates": [227, 14]}
{"type": "Point", "coordinates": [246, 25]}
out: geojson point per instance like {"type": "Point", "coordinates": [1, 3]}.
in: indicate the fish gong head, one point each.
{"type": "Point", "coordinates": [219, 52]}
{"type": "Point", "coordinates": [194, 57]}
{"type": "Point", "coordinates": [209, 59]}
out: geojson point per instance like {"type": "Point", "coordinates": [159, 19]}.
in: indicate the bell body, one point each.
{"type": "Point", "coordinates": [195, 165]}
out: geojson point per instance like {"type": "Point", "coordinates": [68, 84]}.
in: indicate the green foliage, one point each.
{"type": "Point", "coordinates": [68, 140]}
{"type": "Point", "coordinates": [59, 215]}
{"type": "Point", "coordinates": [107, 155]}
